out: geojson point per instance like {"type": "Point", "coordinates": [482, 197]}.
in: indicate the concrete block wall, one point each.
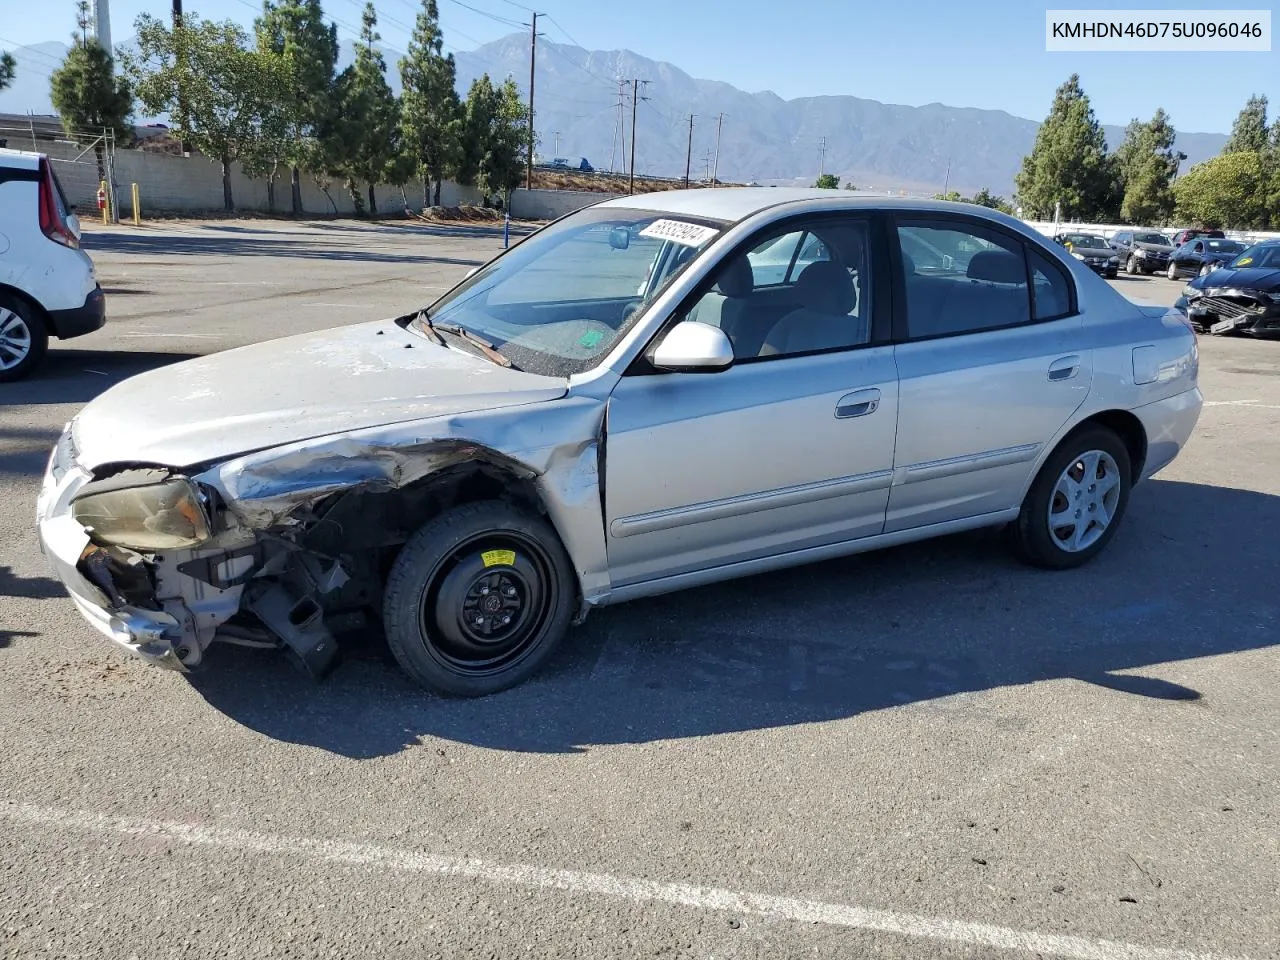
{"type": "Point", "coordinates": [169, 184]}
{"type": "Point", "coordinates": [552, 204]}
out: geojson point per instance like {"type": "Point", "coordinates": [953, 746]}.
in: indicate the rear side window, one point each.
{"type": "Point", "coordinates": [962, 278]}
{"type": "Point", "coordinates": [1050, 288]}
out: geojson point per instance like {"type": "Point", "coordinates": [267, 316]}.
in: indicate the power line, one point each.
{"type": "Point", "coordinates": [491, 16]}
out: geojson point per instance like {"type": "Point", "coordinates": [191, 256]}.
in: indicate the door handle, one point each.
{"type": "Point", "coordinates": [858, 404]}
{"type": "Point", "coordinates": [1064, 368]}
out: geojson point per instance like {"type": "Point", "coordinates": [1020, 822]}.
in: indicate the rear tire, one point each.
{"type": "Point", "coordinates": [1075, 503]}
{"type": "Point", "coordinates": [1172, 272]}
{"type": "Point", "coordinates": [24, 338]}
{"type": "Point", "coordinates": [478, 599]}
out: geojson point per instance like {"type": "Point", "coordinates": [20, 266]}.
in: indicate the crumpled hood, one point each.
{"type": "Point", "coordinates": [1247, 278]}
{"type": "Point", "coordinates": [291, 389]}
{"type": "Point", "coordinates": [1153, 247]}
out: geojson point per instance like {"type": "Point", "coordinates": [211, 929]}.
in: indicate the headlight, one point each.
{"type": "Point", "coordinates": [146, 517]}
{"type": "Point", "coordinates": [1078, 256]}
{"type": "Point", "coordinates": [1140, 253]}
{"type": "Point", "coordinates": [1114, 260]}
{"type": "Point", "coordinates": [1189, 291]}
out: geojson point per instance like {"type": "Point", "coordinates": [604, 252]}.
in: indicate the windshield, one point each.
{"type": "Point", "coordinates": [1224, 246]}
{"type": "Point", "coordinates": [1084, 240]}
{"type": "Point", "coordinates": [1264, 255]}
{"type": "Point", "coordinates": [559, 301]}
{"type": "Point", "coordinates": [1152, 238]}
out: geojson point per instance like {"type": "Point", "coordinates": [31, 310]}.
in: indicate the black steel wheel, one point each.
{"type": "Point", "coordinates": [478, 599]}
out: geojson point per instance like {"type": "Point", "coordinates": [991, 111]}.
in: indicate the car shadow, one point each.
{"type": "Point", "coordinates": [73, 375]}
{"type": "Point", "coordinates": [919, 624]}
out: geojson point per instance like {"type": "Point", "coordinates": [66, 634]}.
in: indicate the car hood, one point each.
{"type": "Point", "coordinates": [292, 389]}
{"type": "Point", "coordinates": [1153, 247]}
{"type": "Point", "coordinates": [1265, 279]}
{"type": "Point", "coordinates": [1094, 253]}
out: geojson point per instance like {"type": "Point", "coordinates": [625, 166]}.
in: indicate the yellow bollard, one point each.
{"type": "Point", "coordinates": [102, 199]}
{"type": "Point", "coordinates": [137, 210]}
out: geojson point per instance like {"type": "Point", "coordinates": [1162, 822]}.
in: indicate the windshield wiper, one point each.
{"type": "Point", "coordinates": [424, 322]}
{"type": "Point", "coordinates": [485, 347]}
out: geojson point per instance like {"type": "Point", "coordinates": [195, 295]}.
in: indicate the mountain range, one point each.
{"type": "Point", "coordinates": [583, 109]}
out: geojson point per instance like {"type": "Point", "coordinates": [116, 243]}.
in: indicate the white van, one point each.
{"type": "Point", "coordinates": [47, 283]}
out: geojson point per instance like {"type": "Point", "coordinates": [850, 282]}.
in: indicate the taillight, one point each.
{"type": "Point", "coordinates": [52, 225]}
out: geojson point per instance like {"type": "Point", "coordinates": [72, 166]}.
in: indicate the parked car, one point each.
{"type": "Point", "coordinates": [541, 440]}
{"type": "Point", "coordinates": [1182, 236]}
{"type": "Point", "coordinates": [1093, 251]}
{"type": "Point", "coordinates": [47, 283]}
{"type": "Point", "coordinates": [1142, 251]}
{"type": "Point", "coordinates": [1202, 255]}
{"type": "Point", "coordinates": [1241, 297]}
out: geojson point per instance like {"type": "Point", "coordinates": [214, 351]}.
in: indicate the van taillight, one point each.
{"type": "Point", "coordinates": [52, 225]}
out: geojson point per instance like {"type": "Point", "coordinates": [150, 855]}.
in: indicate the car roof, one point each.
{"type": "Point", "coordinates": [21, 159]}
{"type": "Point", "coordinates": [737, 203]}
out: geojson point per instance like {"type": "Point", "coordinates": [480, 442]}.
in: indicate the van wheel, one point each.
{"type": "Point", "coordinates": [478, 599]}
{"type": "Point", "coordinates": [24, 338]}
{"type": "Point", "coordinates": [1076, 503]}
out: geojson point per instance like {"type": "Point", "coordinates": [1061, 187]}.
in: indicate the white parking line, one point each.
{"type": "Point", "coordinates": [634, 889]}
{"type": "Point", "coordinates": [1242, 403]}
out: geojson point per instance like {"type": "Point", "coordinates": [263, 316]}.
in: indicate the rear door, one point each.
{"type": "Point", "coordinates": [990, 367]}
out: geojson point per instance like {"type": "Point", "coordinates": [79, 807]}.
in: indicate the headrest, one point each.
{"type": "Point", "coordinates": [826, 287]}
{"type": "Point", "coordinates": [997, 266]}
{"type": "Point", "coordinates": [736, 280]}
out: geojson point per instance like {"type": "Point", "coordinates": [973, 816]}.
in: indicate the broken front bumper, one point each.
{"type": "Point", "coordinates": [149, 634]}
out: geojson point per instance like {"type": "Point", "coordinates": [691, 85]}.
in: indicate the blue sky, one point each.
{"type": "Point", "coordinates": [988, 53]}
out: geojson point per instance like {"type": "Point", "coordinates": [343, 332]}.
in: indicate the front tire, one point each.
{"type": "Point", "coordinates": [478, 599]}
{"type": "Point", "coordinates": [1076, 503]}
{"type": "Point", "coordinates": [24, 339]}
{"type": "Point", "coordinates": [1172, 272]}
{"type": "Point", "coordinates": [1131, 265]}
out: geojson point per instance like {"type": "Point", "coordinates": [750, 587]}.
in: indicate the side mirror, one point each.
{"type": "Point", "coordinates": [619, 238]}
{"type": "Point", "coordinates": [691, 347]}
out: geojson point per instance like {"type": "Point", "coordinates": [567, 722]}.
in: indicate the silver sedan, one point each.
{"type": "Point", "coordinates": [654, 393]}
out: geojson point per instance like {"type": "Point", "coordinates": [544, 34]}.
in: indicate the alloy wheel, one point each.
{"type": "Point", "coordinates": [15, 339]}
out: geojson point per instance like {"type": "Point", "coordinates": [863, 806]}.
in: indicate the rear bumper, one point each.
{"type": "Point", "coordinates": [78, 321]}
{"type": "Point", "coordinates": [1169, 424]}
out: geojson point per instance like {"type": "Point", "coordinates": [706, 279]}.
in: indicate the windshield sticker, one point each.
{"type": "Point", "coordinates": [1244, 261]}
{"type": "Point", "coordinates": [677, 231]}
{"type": "Point", "coordinates": [590, 339]}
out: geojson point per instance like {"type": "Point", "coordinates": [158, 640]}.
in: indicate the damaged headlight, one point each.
{"type": "Point", "coordinates": [136, 512]}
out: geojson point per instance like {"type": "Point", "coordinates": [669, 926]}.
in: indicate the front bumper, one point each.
{"type": "Point", "coordinates": [148, 634]}
{"type": "Point", "coordinates": [1102, 268]}
{"type": "Point", "coordinates": [78, 321]}
{"type": "Point", "coordinates": [1220, 315]}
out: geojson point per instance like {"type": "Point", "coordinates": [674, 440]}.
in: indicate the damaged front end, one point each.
{"type": "Point", "coordinates": [282, 548]}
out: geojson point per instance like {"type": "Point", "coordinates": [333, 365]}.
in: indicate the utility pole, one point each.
{"type": "Point", "coordinates": [822, 155]}
{"type": "Point", "coordinates": [635, 102]}
{"type": "Point", "coordinates": [688, 157]}
{"type": "Point", "coordinates": [533, 62]}
{"type": "Point", "coordinates": [102, 27]}
{"type": "Point", "coordinates": [946, 183]}
{"type": "Point", "coordinates": [715, 168]}
{"type": "Point", "coordinates": [556, 134]}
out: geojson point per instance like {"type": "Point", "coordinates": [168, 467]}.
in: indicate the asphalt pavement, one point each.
{"type": "Point", "coordinates": [930, 751]}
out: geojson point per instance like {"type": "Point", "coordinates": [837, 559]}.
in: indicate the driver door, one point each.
{"type": "Point", "coordinates": [774, 454]}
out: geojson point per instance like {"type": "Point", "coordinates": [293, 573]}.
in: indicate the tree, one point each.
{"type": "Point", "coordinates": [88, 95]}
{"type": "Point", "coordinates": [1226, 191]}
{"type": "Point", "coordinates": [478, 114]}
{"type": "Point", "coordinates": [505, 155]}
{"type": "Point", "coordinates": [1146, 163]}
{"type": "Point", "coordinates": [8, 68]}
{"type": "Point", "coordinates": [273, 142]}
{"type": "Point", "coordinates": [1068, 163]}
{"type": "Point", "coordinates": [369, 115]}
{"type": "Point", "coordinates": [828, 181]}
{"type": "Point", "coordinates": [985, 198]}
{"type": "Point", "coordinates": [430, 112]}
{"type": "Point", "coordinates": [952, 195]}
{"type": "Point", "coordinates": [1249, 132]}
{"type": "Point", "coordinates": [224, 88]}
{"type": "Point", "coordinates": [295, 31]}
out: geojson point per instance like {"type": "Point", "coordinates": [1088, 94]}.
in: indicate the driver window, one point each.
{"type": "Point", "coordinates": [803, 291]}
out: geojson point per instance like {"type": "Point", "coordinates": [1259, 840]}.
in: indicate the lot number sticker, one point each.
{"type": "Point", "coordinates": [677, 231]}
